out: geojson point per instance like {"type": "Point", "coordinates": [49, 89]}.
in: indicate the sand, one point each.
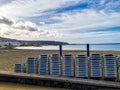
{"type": "Point", "coordinates": [10, 57]}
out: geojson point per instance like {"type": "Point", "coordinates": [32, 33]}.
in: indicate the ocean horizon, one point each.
{"type": "Point", "coordinates": [101, 47]}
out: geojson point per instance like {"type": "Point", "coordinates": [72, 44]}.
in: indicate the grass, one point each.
{"type": "Point", "coordinates": [10, 57]}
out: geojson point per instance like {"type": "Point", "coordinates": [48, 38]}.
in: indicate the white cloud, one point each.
{"type": "Point", "coordinates": [85, 20]}
{"type": "Point", "coordinates": [42, 23]}
{"type": "Point", "coordinates": [24, 30]}
{"type": "Point", "coordinates": [28, 8]}
{"type": "Point", "coordinates": [80, 20]}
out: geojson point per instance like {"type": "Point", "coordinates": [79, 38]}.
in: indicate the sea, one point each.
{"type": "Point", "coordinates": [100, 47]}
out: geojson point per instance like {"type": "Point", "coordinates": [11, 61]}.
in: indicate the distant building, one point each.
{"type": "Point", "coordinates": [7, 43]}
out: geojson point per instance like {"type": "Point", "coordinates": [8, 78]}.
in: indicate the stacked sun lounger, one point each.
{"type": "Point", "coordinates": [43, 65]}
{"type": "Point", "coordinates": [81, 65]}
{"type": "Point", "coordinates": [68, 66]}
{"type": "Point", "coordinates": [31, 65]}
{"type": "Point", "coordinates": [95, 66]}
{"type": "Point", "coordinates": [110, 66]}
{"type": "Point", "coordinates": [55, 65]}
{"type": "Point", "coordinates": [18, 68]}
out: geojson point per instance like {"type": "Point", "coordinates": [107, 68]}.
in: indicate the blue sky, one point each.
{"type": "Point", "coordinates": [73, 21]}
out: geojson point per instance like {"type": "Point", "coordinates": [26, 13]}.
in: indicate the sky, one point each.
{"type": "Point", "coordinates": [73, 21]}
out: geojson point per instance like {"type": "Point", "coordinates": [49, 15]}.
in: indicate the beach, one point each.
{"type": "Point", "coordinates": [14, 86]}
{"type": "Point", "coordinates": [10, 57]}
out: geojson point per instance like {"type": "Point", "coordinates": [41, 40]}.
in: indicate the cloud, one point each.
{"type": "Point", "coordinates": [83, 21]}
{"type": "Point", "coordinates": [42, 23]}
{"type": "Point", "coordinates": [23, 30]}
{"type": "Point", "coordinates": [77, 20]}
{"type": "Point", "coordinates": [26, 26]}
{"type": "Point", "coordinates": [29, 8]}
{"type": "Point", "coordinates": [3, 2]}
{"type": "Point", "coordinates": [4, 20]}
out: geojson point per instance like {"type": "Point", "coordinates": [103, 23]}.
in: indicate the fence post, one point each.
{"type": "Point", "coordinates": [60, 50]}
{"type": "Point", "coordinates": [88, 50]}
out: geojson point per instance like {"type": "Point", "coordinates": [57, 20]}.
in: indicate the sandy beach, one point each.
{"type": "Point", "coordinates": [10, 57]}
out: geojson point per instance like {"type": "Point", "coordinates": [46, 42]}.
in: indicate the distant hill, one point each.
{"type": "Point", "coordinates": [7, 39]}
{"type": "Point", "coordinates": [33, 43]}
